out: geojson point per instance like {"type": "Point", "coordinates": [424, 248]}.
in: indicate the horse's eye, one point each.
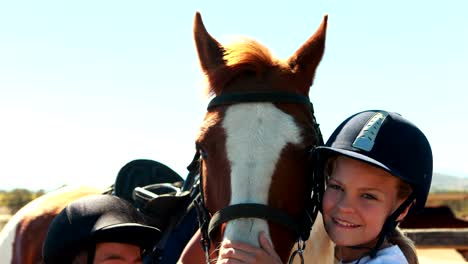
{"type": "Point", "coordinates": [203, 154]}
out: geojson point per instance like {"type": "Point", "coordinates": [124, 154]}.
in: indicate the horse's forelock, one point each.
{"type": "Point", "coordinates": [242, 56]}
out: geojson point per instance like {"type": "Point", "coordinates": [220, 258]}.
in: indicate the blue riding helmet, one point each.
{"type": "Point", "coordinates": [390, 142]}
{"type": "Point", "coordinates": [93, 219]}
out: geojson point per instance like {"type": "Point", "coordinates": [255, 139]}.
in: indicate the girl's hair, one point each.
{"type": "Point", "coordinates": [395, 237]}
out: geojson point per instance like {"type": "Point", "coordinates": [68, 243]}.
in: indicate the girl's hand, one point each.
{"type": "Point", "coordinates": [241, 253]}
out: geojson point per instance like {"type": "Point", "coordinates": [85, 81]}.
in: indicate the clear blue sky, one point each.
{"type": "Point", "coordinates": [87, 86]}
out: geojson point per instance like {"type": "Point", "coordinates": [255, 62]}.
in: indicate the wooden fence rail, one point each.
{"type": "Point", "coordinates": [456, 238]}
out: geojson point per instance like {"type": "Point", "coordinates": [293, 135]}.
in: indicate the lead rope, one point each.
{"type": "Point", "coordinates": [298, 252]}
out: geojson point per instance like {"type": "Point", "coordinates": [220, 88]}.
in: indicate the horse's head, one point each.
{"type": "Point", "coordinates": [254, 141]}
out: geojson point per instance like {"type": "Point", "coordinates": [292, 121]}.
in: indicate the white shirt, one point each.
{"type": "Point", "coordinates": [390, 255]}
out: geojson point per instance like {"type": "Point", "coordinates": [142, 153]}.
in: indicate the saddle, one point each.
{"type": "Point", "coordinates": [142, 172]}
{"type": "Point", "coordinates": [165, 199]}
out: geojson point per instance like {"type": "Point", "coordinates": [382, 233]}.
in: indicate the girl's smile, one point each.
{"type": "Point", "coordinates": [343, 224]}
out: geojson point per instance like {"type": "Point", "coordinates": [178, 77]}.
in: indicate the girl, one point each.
{"type": "Point", "coordinates": [99, 229]}
{"type": "Point", "coordinates": [378, 167]}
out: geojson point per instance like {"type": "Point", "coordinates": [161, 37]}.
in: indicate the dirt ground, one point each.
{"type": "Point", "coordinates": [446, 256]}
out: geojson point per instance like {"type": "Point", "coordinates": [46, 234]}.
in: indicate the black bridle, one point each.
{"type": "Point", "coordinates": [300, 227]}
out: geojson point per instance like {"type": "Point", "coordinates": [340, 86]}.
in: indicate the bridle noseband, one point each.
{"type": "Point", "coordinates": [300, 227]}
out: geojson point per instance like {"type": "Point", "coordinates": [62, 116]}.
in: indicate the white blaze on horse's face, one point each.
{"type": "Point", "coordinates": [256, 134]}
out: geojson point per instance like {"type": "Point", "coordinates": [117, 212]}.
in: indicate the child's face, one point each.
{"type": "Point", "coordinates": [117, 253]}
{"type": "Point", "coordinates": [358, 199]}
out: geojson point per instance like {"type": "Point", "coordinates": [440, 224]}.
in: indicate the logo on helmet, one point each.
{"type": "Point", "coordinates": [366, 138]}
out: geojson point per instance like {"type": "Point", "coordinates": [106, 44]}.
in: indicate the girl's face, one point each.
{"type": "Point", "coordinates": [117, 253]}
{"type": "Point", "coordinates": [358, 199]}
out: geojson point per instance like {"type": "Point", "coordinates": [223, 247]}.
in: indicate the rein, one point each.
{"type": "Point", "coordinates": [300, 227]}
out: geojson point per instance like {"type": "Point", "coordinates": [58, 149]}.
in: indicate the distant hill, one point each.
{"type": "Point", "coordinates": [443, 182]}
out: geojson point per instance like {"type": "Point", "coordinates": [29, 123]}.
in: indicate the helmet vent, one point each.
{"type": "Point", "coordinates": [366, 138]}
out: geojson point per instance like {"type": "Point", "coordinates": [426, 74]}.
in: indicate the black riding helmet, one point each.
{"type": "Point", "coordinates": [93, 219]}
{"type": "Point", "coordinates": [390, 142]}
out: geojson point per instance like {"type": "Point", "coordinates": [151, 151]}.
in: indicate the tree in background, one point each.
{"type": "Point", "coordinates": [17, 198]}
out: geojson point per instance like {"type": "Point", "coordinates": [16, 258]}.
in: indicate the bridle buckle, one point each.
{"type": "Point", "coordinates": [299, 251]}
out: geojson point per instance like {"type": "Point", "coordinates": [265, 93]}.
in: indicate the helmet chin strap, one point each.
{"type": "Point", "coordinates": [390, 224]}
{"type": "Point", "coordinates": [91, 253]}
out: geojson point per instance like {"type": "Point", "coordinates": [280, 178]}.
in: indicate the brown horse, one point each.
{"type": "Point", "coordinates": [22, 237]}
{"type": "Point", "coordinates": [254, 143]}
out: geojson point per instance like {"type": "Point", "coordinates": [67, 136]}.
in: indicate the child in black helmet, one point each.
{"type": "Point", "coordinates": [378, 168]}
{"type": "Point", "coordinates": [98, 229]}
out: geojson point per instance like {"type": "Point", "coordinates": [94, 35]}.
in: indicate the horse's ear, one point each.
{"type": "Point", "coordinates": [210, 51]}
{"type": "Point", "coordinates": [306, 59]}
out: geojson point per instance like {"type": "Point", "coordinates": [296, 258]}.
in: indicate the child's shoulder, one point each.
{"type": "Point", "coordinates": [390, 255]}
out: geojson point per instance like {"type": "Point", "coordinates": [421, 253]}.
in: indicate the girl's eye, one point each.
{"type": "Point", "coordinates": [369, 196]}
{"type": "Point", "coordinates": [334, 186]}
